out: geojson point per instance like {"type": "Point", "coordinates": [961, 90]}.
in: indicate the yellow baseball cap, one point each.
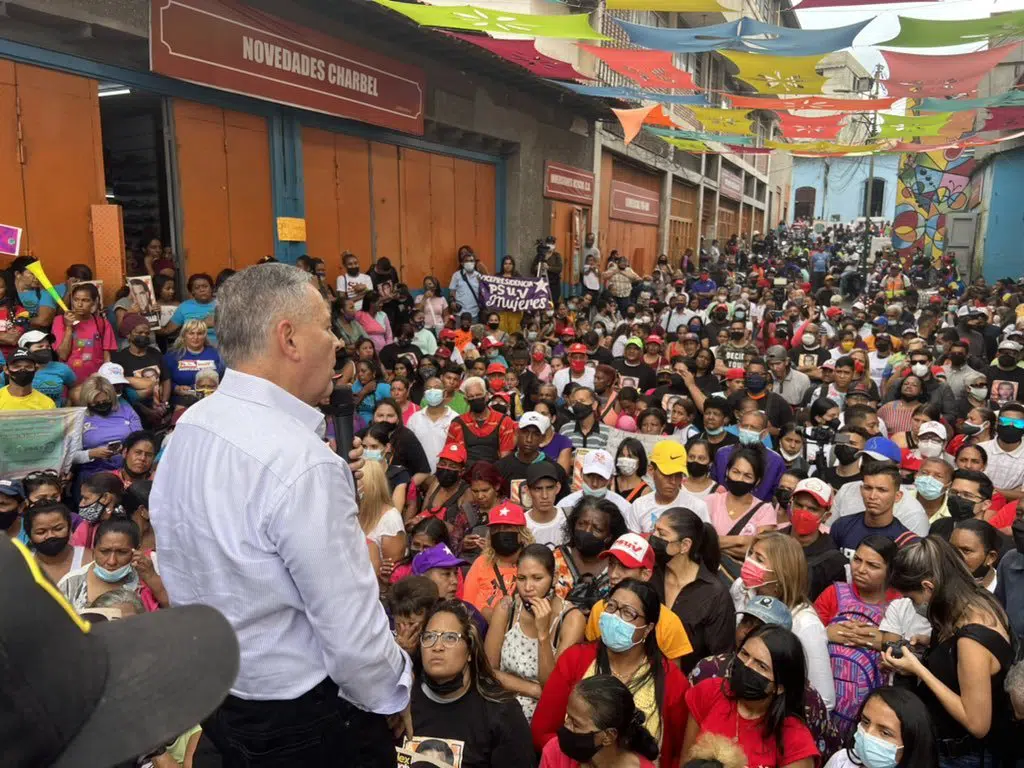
{"type": "Point", "coordinates": [669, 457]}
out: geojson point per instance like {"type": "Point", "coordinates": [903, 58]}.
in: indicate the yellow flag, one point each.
{"type": "Point", "coordinates": [794, 75]}
{"type": "Point", "coordinates": [682, 6]}
{"type": "Point", "coordinates": [723, 120]}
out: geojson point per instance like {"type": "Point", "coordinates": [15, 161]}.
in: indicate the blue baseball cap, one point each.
{"type": "Point", "coordinates": [770, 611]}
{"type": "Point", "coordinates": [12, 488]}
{"type": "Point", "coordinates": [881, 320]}
{"type": "Point", "coordinates": [882, 449]}
{"type": "Point", "coordinates": [437, 556]}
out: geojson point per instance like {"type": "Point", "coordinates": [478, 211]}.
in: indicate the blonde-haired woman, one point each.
{"type": "Point", "coordinates": [380, 520]}
{"type": "Point", "coordinates": [108, 421]}
{"type": "Point", "coordinates": [507, 535]}
{"type": "Point", "coordinates": [775, 566]}
{"type": "Point", "coordinates": [191, 353]}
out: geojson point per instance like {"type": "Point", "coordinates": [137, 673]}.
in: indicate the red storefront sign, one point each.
{"type": "Point", "coordinates": [563, 182]}
{"type": "Point", "coordinates": [239, 49]}
{"type": "Point", "coordinates": [730, 185]}
{"type": "Point", "coordinates": [630, 203]}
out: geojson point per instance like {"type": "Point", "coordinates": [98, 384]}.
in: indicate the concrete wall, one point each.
{"type": "Point", "coordinates": [1004, 221]}
{"type": "Point", "coordinates": [839, 185]}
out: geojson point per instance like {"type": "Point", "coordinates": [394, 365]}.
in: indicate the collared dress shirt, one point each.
{"type": "Point", "coordinates": [257, 517]}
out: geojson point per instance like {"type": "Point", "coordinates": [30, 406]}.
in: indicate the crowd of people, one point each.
{"type": "Point", "coordinates": [728, 513]}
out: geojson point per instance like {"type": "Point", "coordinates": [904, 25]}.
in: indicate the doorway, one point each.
{"type": "Point", "coordinates": [804, 203]}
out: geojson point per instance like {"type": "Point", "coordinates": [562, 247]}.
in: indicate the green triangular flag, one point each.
{"type": "Point", "coordinates": [472, 19]}
{"type": "Point", "coordinates": [928, 33]}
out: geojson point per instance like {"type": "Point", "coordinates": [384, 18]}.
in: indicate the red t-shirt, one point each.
{"type": "Point", "coordinates": [827, 604]}
{"type": "Point", "coordinates": [553, 757]}
{"type": "Point", "coordinates": [715, 713]}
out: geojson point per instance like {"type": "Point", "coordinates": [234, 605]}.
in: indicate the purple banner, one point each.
{"type": "Point", "coordinates": [10, 240]}
{"type": "Point", "coordinates": [514, 294]}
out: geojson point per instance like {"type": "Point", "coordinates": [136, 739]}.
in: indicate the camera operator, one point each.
{"type": "Point", "coordinates": [842, 465]}
{"type": "Point", "coordinates": [820, 429]}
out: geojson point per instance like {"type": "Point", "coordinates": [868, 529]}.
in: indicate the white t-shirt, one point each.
{"type": "Point", "coordinates": [901, 619]}
{"type": "Point", "coordinates": [345, 286]}
{"type": "Point", "coordinates": [646, 510]}
{"type": "Point", "coordinates": [431, 434]}
{"type": "Point", "coordinates": [876, 365]}
{"type": "Point", "coordinates": [841, 759]}
{"type": "Point", "coordinates": [390, 524]}
{"type": "Point", "coordinates": [561, 378]}
{"type": "Point", "coordinates": [550, 534]}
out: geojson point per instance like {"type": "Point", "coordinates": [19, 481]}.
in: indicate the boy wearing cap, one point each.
{"type": "Point", "coordinates": [667, 467]}
{"type": "Point", "coordinates": [53, 378]}
{"type": "Point", "coordinates": [632, 366]}
{"type": "Point", "coordinates": [19, 395]}
{"type": "Point", "coordinates": [631, 557]}
{"type": "Point", "coordinates": [598, 469]}
{"type": "Point", "coordinates": [544, 520]}
{"type": "Point", "coordinates": [809, 508]}
{"type": "Point", "coordinates": [514, 467]}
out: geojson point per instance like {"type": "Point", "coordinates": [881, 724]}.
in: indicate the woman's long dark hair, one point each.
{"type": "Point", "coordinates": [753, 455]}
{"type": "Point", "coordinates": [916, 728]}
{"type": "Point", "coordinates": [790, 672]}
{"type": "Point", "coordinates": [612, 706]}
{"type": "Point", "coordinates": [655, 661]}
{"type": "Point", "coordinates": [885, 548]}
{"type": "Point", "coordinates": [480, 670]}
{"type": "Point", "coordinates": [687, 525]}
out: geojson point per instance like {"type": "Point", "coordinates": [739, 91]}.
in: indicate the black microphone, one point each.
{"type": "Point", "coordinates": [342, 410]}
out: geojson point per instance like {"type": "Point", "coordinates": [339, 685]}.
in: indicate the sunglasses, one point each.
{"type": "Point", "coordinates": [1006, 421]}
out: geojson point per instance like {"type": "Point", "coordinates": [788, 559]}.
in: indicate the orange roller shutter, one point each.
{"type": "Point", "coordinates": [353, 196]}
{"type": "Point", "coordinates": [387, 203]}
{"type": "Point", "coordinates": [319, 174]}
{"type": "Point", "coordinates": [443, 241]}
{"type": "Point", "coordinates": [250, 204]}
{"type": "Point", "coordinates": [414, 172]}
{"type": "Point", "coordinates": [12, 191]}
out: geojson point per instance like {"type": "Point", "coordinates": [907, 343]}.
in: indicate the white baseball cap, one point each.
{"type": "Point", "coordinates": [535, 419]}
{"type": "Point", "coordinates": [113, 373]}
{"type": "Point", "coordinates": [33, 337]}
{"type": "Point", "coordinates": [819, 489]}
{"type": "Point", "coordinates": [932, 428]}
{"type": "Point", "coordinates": [599, 463]}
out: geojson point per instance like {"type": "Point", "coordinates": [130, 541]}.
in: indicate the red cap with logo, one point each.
{"type": "Point", "coordinates": [453, 452]}
{"type": "Point", "coordinates": [632, 550]}
{"type": "Point", "coordinates": [506, 514]}
{"type": "Point", "coordinates": [580, 349]}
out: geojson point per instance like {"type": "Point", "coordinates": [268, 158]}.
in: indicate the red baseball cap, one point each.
{"type": "Point", "coordinates": [578, 348]}
{"type": "Point", "coordinates": [496, 368]}
{"type": "Point", "coordinates": [454, 452]}
{"type": "Point", "coordinates": [833, 312]}
{"type": "Point", "coordinates": [447, 334]}
{"type": "Point", "coordinates": [506, 514]}
{"type": "Point", "coordinates": [655, 339]}
{"type": "Point", "coordinates": [632, 550]}
{"type": "Point", "coordinates": [568, 331]}
{"type": "Point", "coordinates": [733, 374]}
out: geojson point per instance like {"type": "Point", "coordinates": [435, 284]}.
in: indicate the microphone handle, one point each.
{"type": "Point", "coordinates": [344, 431]}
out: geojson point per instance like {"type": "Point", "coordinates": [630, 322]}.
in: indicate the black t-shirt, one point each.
{"type": "Point", "coordinates": [644, 376]}
{"type": "Point", "coordinates": [736, 357]}
{"type": "Point", "coordinates": [149, 366]}
{"type": "Point", "coordinates": [603, 356]}
{"type": "Point", "coordinates": [392, 352]}
{"type": "Point", "coordinates": [664, 395]}
{"type": "Point", "coordinates": [409, 452]}
{"type": "Point", "coordinates": [1004, 385]}
{"type": "Point", "coordinates": [825, 565]}
{"type": "Point", "coordinates": [803, 357]}
{"type": "Point", "coordinates": [730, 439]}
{"type": "Point", "coordinates": [513, 469]}
{"type": "Point", "coordinates": [493, 734]}
{"type": "Point", "coordinates": [779, 411]}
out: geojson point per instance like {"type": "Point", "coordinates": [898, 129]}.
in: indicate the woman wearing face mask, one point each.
{"type": "Point", "coordinates": [591, 526]}
{"type": "Point", "coordinates": [539, 366]}
{"type": "Point", "coordinates": [898, 414]}
{"type": "Point", "coordinates": [99, 499]}
{"type": "Point", "coordinates": [922, 414]}
{"type": "Point", "coordinates": [456, 697]}
{"type": "Point", "coordinates": [627, 649]}
{"type": "Point", "coordinates": [556, 447]}
{"type": "Point", "coordinates": [761, 703]}
{"type": "Point", "coordinates": [444, 492]}
{"type": "Point", "coordinates": [530, 629]}
{"type": "Point", "coordinates": [737, 514]}
{"type": "Point", "coordinates": [41, 486]}
{"type": "Point", "coordinates": [960, 679]}
{"type": "Point", "coordinates": [435, 308]}
{"type": "Point", "coordinates": [378, 446]}
{"type": "Point", "coordinates": [977, 427]}
{"type": "Point", "coordinates": [493, 575]}
{"type": "Point", "coordinates": [48, 524]}
{"type": "Point", "coordinates": [603, 727]}
{"type": "Point", "coordinates": [776, 566]}
{"type": "Point", "coordinates": [117, 542]}
{"type": "Point", "coordinates": [630, 470]}
{"type": "Point", "coordinates": [108, 422]}
{"type": "Point", "coordinates": [893, 730]}
{"type": "Point", "coordinates": [346, 327]}
{"type": "Point", "coordinates": [494, 328]}
{"type": "Point", "coordinates": [83, 337]}
{"type": "Point", "coordinates": [136, 506]}
{"type": "Point", "coordinates": [791, 447]}
{"type": "Point", "coordinates": [979, 544]}
{"type": "Point", "coordinates": [375, 321]}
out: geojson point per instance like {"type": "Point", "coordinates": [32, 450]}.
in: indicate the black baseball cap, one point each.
{"type": "Point", "coordinates": [80, 695]}
{"type": "Point", "coordinates": [540, 470]}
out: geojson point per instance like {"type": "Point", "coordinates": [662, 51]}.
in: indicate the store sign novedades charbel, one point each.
{"type": "Point", "coordinates": [631, 203]}
{"type": "Point", "coordinates": [239, 49]}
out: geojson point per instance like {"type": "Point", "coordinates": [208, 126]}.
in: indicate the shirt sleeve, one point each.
{"type": "Point", "coordinates": [592, 632]}
{"type": "Point", "coordinates": [67, 376]}
{"type": "Point", "coordinates": [59, 329]}
{"type": "Point", "coordinates": [819, 664]}
{"type": "Point", "coordinates": [506, 435]}
{"type": "Point", "coordinates": [178, 318]}
{"type": "Point", "coordinates": [671, 635]}
{"type": "Point", "coordinates": [473, 588]}
{"type": "Point", "coordinates": [550, 712]}
{"type": "Point", "coordinates": [699, 698]}
{"type": "Point", "coordinates": [315, 530]}
{"type": "Point", "coordinates": [827, 605]}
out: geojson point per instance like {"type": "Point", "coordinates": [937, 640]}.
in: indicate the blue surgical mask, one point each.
{"type": "Point", "coordinates": [714, 432]}
{"type": "Point", "coordinates": [597, 493]}
{"type": "Point", "coordinates": [112, 577]}
{"type": "Point", "coordinates": [433, 397]}
{"type": "Point", "coordinates": [616, 633]}
{"type": "Point", "coordinates": [749, 436]}
{"type": "Point", "coordinates": [373, 454]}
{"type": "Point", "coordinates": [928, 487]}
{"type": "Point", "coordinates": [873, 751]}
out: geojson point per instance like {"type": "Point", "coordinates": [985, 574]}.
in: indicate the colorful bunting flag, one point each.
{"type": "Point", "coordinates": [1004, 119]}
{"type": "Point", "coordinates": [1008, 99]}
{"type": "Point", "coordinates": [473, 19]}
{"type": "Point", "coordinates": [823, 146]}
{"type": "Point", "coordinates": [650, 69]}
{"type": "Point", "coordinates": [936, 33]}
{"type": "Point", "coordinates": [823, 103]}
{"type": "Point", "coordinates": [525, 54]}
{"type": "Point", "coordinates": [778, 74]}
{"type": "Point", "coordinates": [632, 94]}
{"type": "Point", "coordinates": [725, 138]}
{"type": "Point", "coordinates": [632, 120]}
{"type": "Point", "coordinates": [681, 6]}
{"type": "Point", "coordinates": [748, 150]}
{"type": "Point", "coordinates": [912, 75]}
{"type": "Point", "coordinates": [688, 145]}
{"type": "Point", "coordinates": [723, 120]}
{"type": "Point", "coordinates": [902, 126]}
{"type": "Point", "coordinates": [745, 34]}
{"type": "Point", "coordinates": [821, 128]}
{"type": "Point", "coordinates": [808, 4]}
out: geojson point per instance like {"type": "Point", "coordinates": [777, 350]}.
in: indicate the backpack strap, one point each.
{"type": "Point", "coordinates": [741, 523]}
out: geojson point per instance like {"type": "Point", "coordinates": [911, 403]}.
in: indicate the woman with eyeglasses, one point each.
{"type": "Point", "coordinates": [760, 705]}
{"type": "Point", "coordinates": [627, 649]}
{"type": "Point", "coordinates": [893, 730]}
{"type": "Point", "coordinates": [458, 701]}
{"type": "Point", "coordinates": [48, 524]}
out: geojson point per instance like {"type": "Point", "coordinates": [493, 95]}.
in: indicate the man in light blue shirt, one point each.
{"type": "Point", "coordinates": [465, 285]}
{"type": "Point", "coordinates": [257, 517]}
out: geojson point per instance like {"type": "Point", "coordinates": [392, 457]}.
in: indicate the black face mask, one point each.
{"type": "Point", "coordinates": [660, 547]}
{"type": "Point", "coordinates": [736, 335]}
{"type": "Point", "coordinates": [21, 378]}
{"type": "Point", "coordinates": [1017, 531]}
{"type": "Point", "coordinates": [1007, 361]}
{"type": "Point", "coordinates": [505, 543]}
{"type": "Point", "coordinates": [697, 468]}
{"type": "Point", "coordinates": [783, 496]}
{"type": "Point", "coordinates": [493, 325]}
{"type": "Point", "coordinates": [747, 683]}
{"type": "Point", "coordinates": [581, 411]}
{"type": "Point", "coordinates": [959, 508]}
{"type": "Point", "coordinates": [588, 544]}
{"type": "Point", "coordinates": [7, 519]}
{"type": "Point", "coordinates": [446, 687]}
{"type": "Point", "coordinates": [958, 359]}
{"type": "Point", "coordinates": [579, 747]}
{"type": "Point", "coordinates": [1009, 433]}
{"type": "Point", "coordinates": [739, 487]}
{"type": "Point", "coordinates": [756, 382]}
{"type": "Point", "coordinates": [981, 572]}
{"type": "Point", "coordinates": [478, 405]}
{"type": "Point", "coordinates": [42, 356]}
{"type": "Point", "coordinates": [846, 454]}
{"type": "Point", "coordinates": [53, 546]}
{"type": "Point", "coordinates": [352, 271]}
{"type": "Point", "coordinates": [446, 478]}
{"type": "Point", "coordinates": [103, 408]}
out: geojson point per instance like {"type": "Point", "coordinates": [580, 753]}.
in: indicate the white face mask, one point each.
{"type": "Point", "coordinates": [627, 465]}
{"type": "Point", "coordinates": [469, 266]}
{"type": "Point", "coordinates": [978, 393]}
{"type": "Point", "coordinates": [930, 449]}
{"type": "Point", "coordinates": [809, 340]}
{"type": "Point", "coordinates": [919, 369]}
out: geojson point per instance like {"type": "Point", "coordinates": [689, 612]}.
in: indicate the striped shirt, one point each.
{"type": "Point", "coordinates": [597, 438]}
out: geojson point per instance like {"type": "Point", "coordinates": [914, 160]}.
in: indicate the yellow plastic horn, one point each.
{"type": "Point", "coordinates": [36, 268]}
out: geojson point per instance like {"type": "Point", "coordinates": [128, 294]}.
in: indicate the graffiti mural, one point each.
{"type": "Point", "coordinates": [930, 186]}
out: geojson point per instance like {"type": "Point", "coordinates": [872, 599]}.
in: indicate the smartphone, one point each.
{"type": "Point", "coordinates": [115, 446]}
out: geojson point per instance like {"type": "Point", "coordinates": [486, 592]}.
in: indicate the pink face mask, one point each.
{"type": "Point", "coordinates": [754, 575]}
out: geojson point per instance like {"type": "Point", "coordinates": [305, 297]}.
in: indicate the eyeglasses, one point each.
{"type": "Point", "coordinates": [1006, 421]}
{"type": "Point", "coordinates": [626, 612]}
{"type": "Point", "coordinates": [969, 498]}
{"type": "Point", "coordinates": [448, 639]}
